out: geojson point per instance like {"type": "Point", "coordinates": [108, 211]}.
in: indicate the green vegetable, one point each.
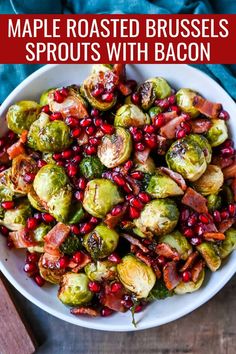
{"type": "Point", "coordinates": [159, 291]}
{"type": "Point", "coordinates": [210, 253]}
{"type": "Point", "coordinates": [203, 143]}
{"type": "Point", "coordinates": [146, 167]}
{"type": "Point", "coordinates": [71, 244]}
{"type": "Point", "coordinates": [152, 89]}
{"type": "Point", "coordinates": [213, 202]}
{"type": "Point", "coordinates": [22, 165]}
{"type": "Point", "coordinates": [6, 188]}
{"type": "Point", "coordinates": [185, 99]}
{"type": "Point", "coordinates": [211, 181]}
{"type": "Point", "coordinates": [101, 271]}
{"type": "Point", "coordinates": [91, 167]}
{"type": "Point", "coordinates": [153, 111]}
{"type": "Point", "coordinates": [177, 241]}
{"type": "Point", "coordinates": [229, 244]}
{"type": "Point", "coordinates": [217, 133]}
{"type": "Point", "coordinates": [41, 231]}
{"type": "Point", "coordinates": [15, 219]}
{"type": "Point", "coordinates": [44, 97]}
{"type": "Point", "coordinates": [130, 115]}
{"type": "Point", "coordinates": [190, 287]}
{"type": "Point", "coordinates": [162, 186]}
{"type": "Point", "coordinates": [76, 213]}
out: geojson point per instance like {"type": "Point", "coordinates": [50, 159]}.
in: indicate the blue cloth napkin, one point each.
{"type": "Point", "coordinates": [12, 75]}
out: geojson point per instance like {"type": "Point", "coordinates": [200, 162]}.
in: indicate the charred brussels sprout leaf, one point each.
{"type": "Point", "coordinates": [74, 289]}
{"type": "Point", "coordinates": [203, 143]}
{"type": "Point", "coordinates": [136, 276]}
{"type": "Point", "coordinates": [210, 254]}
{"type": "Point", "coordinates": [21, 115]}
{"type": "Point", "coordinates": [76, 213]}
{"type": "Point", "coordinates": [146, 167]}
{"type": "Point", "coordinates": [100, 196]}
{"type": "Point", "coordinates": [185, 100]}
{"type": "Point", "coordinates": [71, 244]}
{"type": "Point", "coordinates": [15, 219]}
{"type": "Point", "coordinates": [159, 217]}
{"type": "Point", "coordinates": [101, 242]}
{"type": "Point", "coordinates": [211, 181]}
{"type": "Point", "coordinates": [218, 132]}
{"type": "Point", "coordinates": [159, 291]}
{"type": "Point", "coordinates": [229, 244]}
{"type": "Point", "coordinates": [190, 287]}
{"type": "Point", "coordinates": [44, 100]}
{"type": "Point", "coordinates": [213, 202]}
{"type": "Point", "coordinates": [162, 186]}
{"type": "Point", "coordinates": [48, 136]}
{"type": "Point", "coordinates": [101, 271]}
{"type": "Point", "coordinates": [91, 167]}
{"type": "Point", "coordinates": [116, 148]}
{"type": "Point", "coordinates": [152, 89]}
{"type": "Point", "coordinates": [130, 115]}
{"type": "Point", "coordinates": [41, 231]}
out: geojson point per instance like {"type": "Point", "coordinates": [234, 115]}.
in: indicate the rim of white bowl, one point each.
{"type": "Point", "coordinates": [101, 326]}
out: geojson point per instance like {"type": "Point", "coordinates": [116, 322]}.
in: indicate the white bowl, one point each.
{"type": "Point", "coordinates": [160, 312]}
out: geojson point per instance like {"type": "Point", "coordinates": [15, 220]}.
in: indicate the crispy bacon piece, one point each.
{"type": "Point", "coordinates": [189, 262]}
{"type": "Point", "coordinates": [168, 116]}
{"type": "Point", "coordinates": [169, 129]}
{"type": "Point", "coordinates": [175, 176]}
{"type": "Point", "coordinates": [142, 156]}
{"type": "Point", "coordinates": [119, 70]}
{"type": "Point", "coordinates": [196, 270]}
{"type": "Point", "coordinates": [157, 271]}
{"type": "Point", "coordinates": [226, 224]}
{"type": "Point", "coordinates": [124, 89]}
{"type": "Point", "coordinates": [201, 125]}
{"type": "Point", "coordinates": [144, 258]}
{"type": "Point", "coordinates": [75, 267]}
{"type": "Point", "coordinates": [23, 136]}
{"type": "Point", "coordinates": [162, 145]}
{"type": "Point", "coordinates": [195, 201]}
{"type": "Point", "coordinates": [223, 162]}
{"type": "Point", "coordinates": [85, 310]}
{"type": "Point", "coordinates": [230, 171]}
{"type": "Point", "coordinates": [112, 220]}
{"type": "Point", "coordinates": [83, 139]}
{"type": "Point", "coordinates": [170, 275]}
{"type": "Point", "coordinates": [16, 149]}
{"type": "Point", "coordinates": [22, 238]}
{"type": "Point", "coordinates": [162, 249]}
{"type": "Point", "coordinates": [206, 107]}
{"type": "Point", "coordinates": [55, 237]}
{"type": "Point", "coordinates": [233, 187]}
{"type": "Point", "coordinates": [134, 241]}
{"type": "Point", "coordinates": [4, 158]}
{"type": "Point", "coordinates": [113, 300]}
{"type": "Point", "coordinates": [216, 236]}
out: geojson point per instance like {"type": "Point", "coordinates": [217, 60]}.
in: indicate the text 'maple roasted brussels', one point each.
{"type": "Point", "coordinates": [177, 241]}
{"type": "Point", "coordinates": [187, 158]}
{"type": "Point", "coordinates": [210, 254]}
{"type": "Point", "coordinates": [100, 196]}
{"type": "Point", "coordinates": [162, 186]}
{"type": "Point", "coordinates": [15, 219]}
{"type": "Point", "coordinates": [101, 242]}
{"type": "Point", "coordinates": [116, 148]}
{"type": "Point", "coordinates": [21, 115]}
{"type": "Point", "coordinates": [203, 143]}
{"type": "Point", "coordinates": [136, 276]}
{"type": "Point", "coordinates": [217, 133]}
{"type": "Point", "coordinates": [229, 244]}
{"type": "Point", "coordinates": [91, 167]}
{"type": "Point", "coordinates": [130, 115]}
{"type": "Point", "coordinates": [159, 217]}
{"type": "Point", "coordinates": [190, 287]}
{"type": "Point", "coordinates": [185, 99]}
{"type": "Point", "coordinates": [211, 181]}
{"type": "Point", "coordinates": [48, 136]}
{"type": "Point", "coordinates": [101, 270]}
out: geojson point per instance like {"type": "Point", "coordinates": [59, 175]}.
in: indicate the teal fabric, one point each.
{"type": "Point", "coordinates": [12, 75]}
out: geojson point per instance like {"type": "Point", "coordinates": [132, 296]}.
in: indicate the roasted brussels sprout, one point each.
{"type": "Point", "coordinates": [101, 271]}
{"type": "Point", "coordinates": [52, 187]}
{"type": "Point", "coordinates": [48, 136]}
{"type": "Point", "coordinates": [91, 167]}
{"type": "Point", "coordinates": [218, 132]}
{"type": "Point", "coordinates": [146, 167]}
{"type": "Point", "coordinates": [210, 253]}
{"type": "Point", "coordinates": [21, 115]}
{"type": "Point", "coordinates": [177, 241]}
{"type": "Point", "coordinates": [203, 143]}
{"type": "Point", "coordinates": [213, 202]}
{"type": "Point", "coordinates": [229, 244]}
{"type": "Point", "coordinates": [6, 187]}
{"type": "Point", "coordinates": [211, 181]}
{"type": "Point", "coordinates": [36, 202]}
{"type": "Point", "coordinates": [152, 89]}
{"type": "Point", "coordinates": [130, 115]}
{"type": "Point", "coordinates": [136, 276]}
{"type": "Point", "coordinates": [190, 287]}
{"type": "Point", "coordinates": [15, 219]}
{"type": "Point", "coordinates": [51, 274]}
{"type": "Point", "coordinates": [44, 97]}
{"type": "Point", "coordinates": [116, 148]}
{"type": "Point", "coordinates": [226, 195]}
{"type": "Point", "coordinates": [162, 186]}
{"type": "Point", "coordinates": [71, 244]}
{"type": "Point", "coordinates": [159, 217]}
{"type": "Point", "coordinates": [21, 166]}
{"type": "Point", "coordinates": [159, 291]}
{"type": "Point", "coordinates": [185, 99]}
{"type": "Point", "coordinates": [101, 242]}
{"type": "Point", "coordinates": [187, 158]}
{"type": "Point", "coordinates": [76, 213]}
{"type": "Point", "coordinates": [153, 111]}
{"type": "Point", "coordinates": [100, 196]}
{"type": "Point", "coordinates": [74, 289]}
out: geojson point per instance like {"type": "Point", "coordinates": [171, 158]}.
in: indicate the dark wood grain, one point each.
{"type": "Point", "coordinates": [211, 329]}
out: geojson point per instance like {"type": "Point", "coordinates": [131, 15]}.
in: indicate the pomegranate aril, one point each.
{"type": "Point", "coordinates": [4, 230]}
{"type": "Point", "coordinates": [184, 215]}
{"type": "Point", "coordinates": [144, 197]}
{"type": "Point", "coordinates": [56, 156]}
{"type": "Point", "coordinates": [47, 218]}
{"type": "Point", "coordinates": [135, 98]}
{"type": "Point", "coordinates": [41, 163]}
{"type": "Point", "coordinates": [132, 84]}
{"type": "Point", "coordinates": [2, 142]}
{"type": "Point", "coordinates": [188, 233]}
{"type": "Point", "coordinates": [114, 258]}
{"type": "Point", "coordinates": [134, 213]}
{"type": "Point", "coordinates": [116, 210]}
{"type": "Point", "coordinates": [180, 133]}
{"type": "Point", "coordinates": [107, 128]}
{"type": "Point", "coordinates": [138, 136]}
{"type": "Point", "coordinates": [224, 115]}
{"type": "Point", "coordinates": [30, 268]}
{"type": "Point", "coordinates": [94, 287]}
{"type": "Point", "coordinates": [90, 130]}
{"type": "Point", "coordinates": [98, 90]}
{"type": "Point", "coordinates": [159, 120]}
{"type": "Point", "coordinates": [127, 188]}
{"type": "Point", "coordinates": [151, 140]}
{"type": "Point", "coordinates": [186, 126]}
{"type": "Point", "coordinates": [174, 108]}
{"type": "Point", "coordinates": [198, 229]}
{"type": "Point", "coordinates": [163, 103]}
{"type": "Point", "coordinates": [60, 163]}
{"type": "Point", "coordinates": [186, 276]}
{"type": "Point", "coordinates": [138, 308]}
{"type": "Point", "coordinates": [46, 109]}
{"type": "Point", "coordinates": [149, 129]}
{"type": "Point", "coordinates": [107, 97]}
{"type": "Point", "coordinates": [195, 241]}
{"type": "Point", "coordinates": [85, 228]}
{"type": "Point", "coordinates": [39, 280]}
{"type": "Point", "coordinates": [79, 195]}
{"type": "Point", "coordinates": [58, 97]}
{"type": "Point", "coordinates": [115, 287]}
{"type": "Point", "coordinates": [95, 112]}
{"type": "Point", "coordinates": [136, 203]}
{"type": "Point", "coordinates": [31, 223]}
{"type": "Point", "coordinates": [186, 116]}
{"type": "Point", "coordinates": [75, 133]}
{"type": "Point", "coordinates": [204, 219]}
{"type": "Point", "coordinates": [29, 177]}
{"type": "Point", "coordinates": [224, 215]}
{"type": "Point", "coordinates": [161, 261]}
{"type": "Point", "coordinates": [76, 149]}
{"type": "Point", "coordinates": [56, 116]}
{"type": "Point", "coordinates": [217, 216]}
{"type": "Point", "coordinates": [90, 150]}
{"type": "Point", "coordinates": [171, 99]}
{"type": "Point", "coordinates": [64, 92]}
{"type": "Point", "coordinates": [232, 209]}
{"type": "Point", "coordinates": [228, 151]}
{"type": "Point", "coordinates": [72, 170]}
{"type": "Point", "coordinates": [139, 147]}
{"type": "Point", "coordinates": [97, 122]}
{"type": "Point", "coordinates": [228, 143]}
{"type": "Point", "coordinates": [74, 229]}
{"type": "Point", "coordinates": [82, 183]}
{"type": "Point", "coordinates": [76, 159]}
{"type": "Point", "coordinates": [63, 262]}
{"type": "Point", "coordinates": [106, 312]}
{"type": "Point", "coordinates": [66, 154]}
{"type": "Point", "coordinates": [7, 205]}
{"type": "Point", "coordinates": [32, 257]}
{"type": "Point", "coordinates": [94, 141]}
{"type": "Point", "coordinates": [38, 216]}
{"type": "Point", "coordinates": [85, 122]}
{"type": "Point", "coordinates": [72, 122]}
{"type": "Point", "coordinates": [192, 220]}
{"type": "Point", "coordinates": [128, 165]}
{"type": "Point", "coordinates": [10, 243]}
{"type": "Point", "coordinates": [94, 220]}
{"type": "Point", "coordinates": [119, 180]}
{"type": "Point", "coordinates": [78, 257]}
{"type": "Point", "coordinates": [127, 301]}
{"type": "Point", "coordinates": [137, 175]}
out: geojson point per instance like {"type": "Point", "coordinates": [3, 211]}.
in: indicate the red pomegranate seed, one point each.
{"type": "Point", "coordinates": [224, 215]}
{"type": "Point", "coordinates": [144, 197]}
{"type": "Point", "coordinates": [138, 308]}
{"type": "Point", "coordinates": [128, 197]}
{"type": "Point", "coordinates": [94, 141]}
{"type": "Point", "coordinates": [115, 287]}
{"type": "Point", "coordinates": [137, 175]}
{"type": "Point", "coordinates": [76, 159]}
{"type": "Point", "coordinates": [90, 130]}
{"type": "Point", "coordinates": [95, 112]}
{"type": "Point", "coordinates": [38, 216]}
{"type": "Point", "coordinates": [198, 229]}
{"type": "Point", "coordinates": [217, 216]}
{"type": "Point", "coordinates": [180, 133]}
{"type": "Point", "coordinates": [161, 261]}
{"type": "Point", "coordinates": [41, 163]}
{"type": "Point", "coordinates": [47, 218]}
{"type": "Point", "coordinates": [2, 142]}
{"type": "Point", "coordinates": [72, 122]}
{"type": "Point", "coordinates": [2, 168]}
{"type": "Point", "coordinates": [74, 229]}
{"type": "Point", "coordinates": [195, 241]}
{"type": "Point", "coordinates": [72, 170]}
{"type": "Point", "coordinates": [226, 152]}
{"type": "Point", "coordinates": [30, 268]}
{"type": "Point", "coordinates": [94, 287]}
{"type": "Point", "coordinates": [61, 163]}
{"type": "Point", "coordinates": [159, 120]}
{"type": "Point", "coordinates": [75, 133]}
{"type": "Point", "coordinates": [76, 149]}
{"type": "Point", "coordinates": [63, 262]}
{"type": "Point", "coordinates": [98, 90]}
{"type": "Point", "coordinates": [86, 122]}
{"type": "Point", "coordinates": [4, 230]}
{"type": "Point", "coordinates": [139, 147]}
{"type": "Point", "coordinates": [97, 122]}
{"type": "Point", "coordinates": [39, 280]}
{"type": "Point", "coordinates": [192, 220]}
{"type": "Point", "coordinates": [134, 213]}
{"type": "Point", "coordinates": [135, 98]}
{"type": "Point", "coordinates": [10, 244]}
{"type": "Point", "coordinates": [90, 150]}
{"type": "Point", "coordinates": [106, 312]}
{"type": "Point", "coordinates": [78, 257]}
{"type": "Point", "coordinates": [186, 276]}
{"type": "Point", "coordinates": [108, 97]}
{"type": "Point", "coordinates": [127, 301]}
{"type": "Point", "coordinates": [128, 165]}
{"type": "Point", "coordinates": [58, 97]}
{"type": "Point", "coordinates": [66, 154]}
{"type": "Point", "coordinates": [136, 203]}
{"type": "Point", "coordinates": [186, 116]}
{"type": "Point", "coordinates": [32, 257]}
{"type": "Point", "coordinates": [232, 209]}
{"type": "Point", "coordinates": [171, 99]}
{"type": "Point", "coordinates": [151, 140]}
{"type": "Point", "coordinates": [204, 219]}
{"type": "Point", "coordinates": [163, 103]}
{"type": "Point", "coordinates": [56, 156]}
{"type": "Point", "coordinates": [116, 210]}
{"type": "Point", "coordinates": [133, 130]}
{"type": "Point", "coordinates": [228, 143]}
{"type": "Point", "coordinates": [138, 136]}
{"type": "Point", "coordinates": [94, 220]}
{"type": "Point", "coordinates": [11, 135]}
{"type": "Point", "coordinates": [107, 128]}
{"type": "Point", "coordinates": [45, 109]}
{"type": "Point", "coordinates": [149, 129]}
{"type": "Point", "coordinates": [79, 195]}
{"type": "Point", "coordinates": [29, 177]}
{"type": "Point", "coordinates": [175, 108]}
{"type": "Point", "coordinates": [56, 116]}
{"type": "Point", "coordinates": [85, 228]}
{"type": "Point", "coordinates": [224, 115]}
{"type": "Point", "coordinates": [188, 233]}
{"type": "Point", "coordinates": [64, 92]}
{"type": "Point", "coordinates": [7, 205]}
{"type": "Point", "coordinates": [82, 183]}
{"type": "Point", "coordinates": [118, 179]}
{"type": "Point", "coordinates": [114, 258]}
{"type": "Point", "coordinates": [31, 223]}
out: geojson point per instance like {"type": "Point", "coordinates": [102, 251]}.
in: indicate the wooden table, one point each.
{"type": "Point", "coordinates": [209, 330]}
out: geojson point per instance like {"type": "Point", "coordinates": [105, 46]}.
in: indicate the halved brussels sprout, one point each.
{"type": "Point", "coordinates": [136, 276]}
{"type": "Point", "coordinates": [71, 244]}
{"type": "Point", "coordinates": [153, 111]}
{"type": "Point", "coordinates": [22, 165]}
{"type": "Point", "coordinates": [229, 244]}
{"type": "Point", "coordinates": [91, 167]}
{"type": "Point", "coordinates": [211, 181]}
{"type": "Point", "coordinates": [101, 271]}
{"type": "Point", "coordinates": [210, 254]}
{"type": "Point", "coordinates": [187, 158]}
{"type": "Point", "coordinates": [185, 99]}
{"type": "Point", "coordinates": [44, 97]}
{"type": "Point", "coordinates": [101, 242]}
{"type": "Point", "coordinates": [74, 289]}
{"type": "Point", "coordinates": [6, 187]}
{"type": "Point", "coordinates": [100, 196]}
{"type": "Point", "coordinates": [152, 89]}
{"type": "Point", "coordinates": [217, 133]}
{"type": "Point", "coordinates": [213, 202]}
{"type": "Point", "coordinates": [21, 115]}
{"type": "Point", "coordinates": [203, 143]}
{"type": "Point", "coordinates": [159, 217]}
{"type": "Point", "coordinates": [177, 241]}
{"type": "Point", "coordinates": [52, 275]}
{"type": "Point", "coordinates": [48, 136]}
{"type": "Point", "coordinates": [190, 287]}
{"type": "Point", "coordinates": [162, 186]}
{"type": "Point", "coordinates": [130, 115]}
{"type": "Point", "coordinates": [36, 202]}
{"type": "Point", "coordinates": [146, 167]}
{"type": "Point", "coordinates": [15, 219]}
{"type": "Point", "coordinates": [116, 148]}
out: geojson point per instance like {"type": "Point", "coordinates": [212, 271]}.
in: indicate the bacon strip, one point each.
{"type": "Point", "coordinates": [170, 275]}
{"type": "Point", "coordinates": [144, 258]}
{"type": "Point", "coordinates": [230, 172]}
{"type": "Point", "coordinates": [49, 261]}
{"type": "Point", "coordinates": [169, 129]}
{"type": "Point", "coordinates": [175, 176]}
{"type": "Point", "coordinates": [55, 237]}
{"type": "Point", "coordinates": [206, 107]}
{"type": "Point", "coordinates": [200, 126]}
{"type": "Point", "coordinates": [16, 149]}
{"type": "Point", "coordinates": [162, 249]}
{"type": "Point", "coordinates": [157, 271]}
{"type": "Point", "coordinates": [197, 269]}
{"type": "Point", "coordinates": [119, 70]}
{"type": "Point", "coordinates": [23, 136]}
{"type": "Point", "coordinates": [85, 310]}
{"type": "Point", "coordinates": [189, 262]}
{"type": "Point", "coordinates": [134, 241]}
{"type": "Point", "coordinates": [113, 300]}
{"type": "Point", "coordinates": [226, 224]}
{"type": "Point", "coordinates": [195, 201]}
{"type": "Point", "coordinates": [75, 267]}
{"type": "Point", "coordinates": [218, 236]}
{"type": "Point", "coordinates": [168, 116]}
{"type": "Point", "coordinates": [22, 238]}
